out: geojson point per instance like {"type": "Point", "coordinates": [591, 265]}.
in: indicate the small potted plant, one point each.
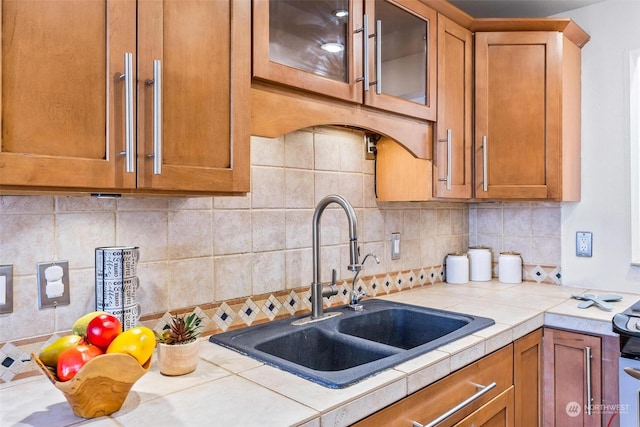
{"type": "Point", "coordinates": [178, 345]}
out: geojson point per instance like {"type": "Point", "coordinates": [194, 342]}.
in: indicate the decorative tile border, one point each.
{"type": "Point", "coordinates": [219, 317]}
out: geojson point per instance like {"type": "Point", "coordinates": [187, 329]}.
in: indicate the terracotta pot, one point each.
{"type": "Point", "coordinates": [178, 359]}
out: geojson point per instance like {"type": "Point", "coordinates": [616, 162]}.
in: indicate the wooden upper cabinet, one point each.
{"type": "Point", "coordinates": [67, 114]}
{"type": "Point", "coordinates": [62, 98]}
{"type": "Point", "coordinates": [452, 163]}
{"type": "Point", "coordinates": [384, 51]}
{"type": "Point", "coordinates": [203, 55]}
{"type": "Point", "coordinates": [527, 115]}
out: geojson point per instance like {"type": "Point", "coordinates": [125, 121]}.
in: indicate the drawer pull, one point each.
{"type": "Point", "coordinates": [483, 390]}
{"type": "Point", "coordinates": [127, 76]}
{"type": "Point", "coordinates": [448, 141]}
{"type": "Point", "coordinates": [485, 156]}
{"type": "Point", "coordinates": [157, 117]}
{"type": "Point", "coordinates": [587, 354]}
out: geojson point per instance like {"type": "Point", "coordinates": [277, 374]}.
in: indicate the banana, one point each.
{"type": "Point", "coordinates": [49, 355]}
{"type": "Point", "coordinates": [80, 326]}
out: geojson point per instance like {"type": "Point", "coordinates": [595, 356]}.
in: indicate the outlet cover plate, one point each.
{"type": "Point", "coordinates": [53, 284]}
{"type": "Point", "coordinates": [6, 286]}
{"type": "Point", "coordinates": [584, 240]}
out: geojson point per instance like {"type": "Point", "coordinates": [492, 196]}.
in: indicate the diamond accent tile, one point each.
{"type": "Point", "coordinates": [205, 321]}
{"type": "Point", "coordinates": [433, 275]}
{"type": "Point", "coordinates": [387, 283]}
{"type": "Point", "coordinates": [305, 300]}
{"type": "Point", "coordinates": [249, 311]}
{"type": "Point", "coordinates": [224, 316]}
{"type": "Point", "coordinates": [399, 282]}
{"type": "Point", "coordinates": [374, 286]}
{"type": "Point", "coordinates": [556, 276]}
{"type": "Point", "coordinates": [536, 273]}
{"type": "Point", "coordinates": [271, 307]}
{"type": "Point", "coordinates": [344, 292]}
{"type": "Point", "coordinates": [423, 277]}
{"type": "Point", "coordinates": [12, 360]}
{"type": "Point", "coordinates": [292, 303]}
{"type": "Point", "coordinates": [411, 279]}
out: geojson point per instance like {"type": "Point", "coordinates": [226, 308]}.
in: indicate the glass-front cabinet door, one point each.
{"type": "Point", "coordinates": [310, 45]}
{"type": "Point", "coordinates": [403, 60]}
{"type": "Point", "coordinates": [377, 52]}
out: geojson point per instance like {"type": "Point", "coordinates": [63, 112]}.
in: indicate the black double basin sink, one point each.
{"type": "Point", "coordinates": [344, 349]}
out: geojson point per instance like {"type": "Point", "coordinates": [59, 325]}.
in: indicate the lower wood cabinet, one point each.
{"type": "Point", "coordinates": [527, 379]}
{"type": "Point", "coordinates": [514, 400]}
{"type": "Point", "coordinates": [580, 378]}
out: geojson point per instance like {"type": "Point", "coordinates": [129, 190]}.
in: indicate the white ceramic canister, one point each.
{"type": "Point", "coordinates": [457, 268]}
{"type": "Point", "coordinates": [510, 267]}
{"type": "Point", "coordinates": [479, 263]}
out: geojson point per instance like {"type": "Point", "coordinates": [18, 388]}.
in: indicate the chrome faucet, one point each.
{"type": "Point", "coordinates": [318, 291]}
{"type": "Point", "coordinates": [356, 296]}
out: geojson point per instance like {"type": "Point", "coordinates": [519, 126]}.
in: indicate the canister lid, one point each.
{"type": "Point", "coordinates": [510, 253]}
{"type": "Point", "coordinates": [457, 254]}
{"type": "Point", "coordinates": [483, 248]}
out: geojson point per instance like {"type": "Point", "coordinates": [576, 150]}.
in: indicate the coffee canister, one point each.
{"type": "Point", "coordinates": [479, 263]}
{"type": "Point", "coordinates": [457, 268]}
{"type": "Point", "coordinates": [510, 267]}
{"type": "Point", "coordinates": [117, 283]}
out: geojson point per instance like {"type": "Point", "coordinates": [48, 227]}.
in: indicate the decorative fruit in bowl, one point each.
{"type": "Point", "coordinates": [102, 384]}
{"type": "Point", "coordinates": [94, 383]}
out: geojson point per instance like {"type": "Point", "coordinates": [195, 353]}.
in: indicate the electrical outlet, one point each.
{"type": "Point", "coordinates": [53, 284]}
{"type": "Point", "coordinates": [370, 141]}
{"type": "Point", "coordinates": [584, 243]}
{"type": "Point", "coordinates": [6, 289]}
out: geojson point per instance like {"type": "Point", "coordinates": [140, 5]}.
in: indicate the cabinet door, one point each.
{"type": "Point", "coordinates": [452, 151]}
{"type": "Point", "coordinates": [496, 413]}
{"type": "Point", "coordinates": [203, 52]}
{"type": "Point", "coordinates": [402, 57]}
{"type": "Point", "coordinates": [572, 378]}
{"type": "Point", "coordinates": [527, 379]}
{"type": "Point", "coordinates": [63, 102]}
{"type": "Point", "coordinates": [314, 45]}
{"type": "Point", "coordinates": [517, 131]}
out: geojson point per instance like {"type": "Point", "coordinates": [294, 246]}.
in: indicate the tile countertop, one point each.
{"type": "Point", "coordinates": [228, 388]}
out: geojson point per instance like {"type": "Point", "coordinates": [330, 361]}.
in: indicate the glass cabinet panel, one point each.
{"type": "Point", "coordinates": [403, 48]}
{"type": "Point", "coordinates": [310, 35]}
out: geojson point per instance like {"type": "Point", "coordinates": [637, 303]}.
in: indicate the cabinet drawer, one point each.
{"type": "Point", "coordinates": [429, 403]}
{"type": "Point", "coordinates": [498, 412]}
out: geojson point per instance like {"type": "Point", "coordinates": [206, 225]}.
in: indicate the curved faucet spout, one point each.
{"type": "Point", "coordinates": [317, 291]}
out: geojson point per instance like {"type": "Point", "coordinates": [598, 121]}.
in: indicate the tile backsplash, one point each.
{"type": "Point", "coordinates": [210, 251]}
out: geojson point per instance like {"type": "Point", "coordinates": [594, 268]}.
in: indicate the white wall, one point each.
{"type": "Point", "coordinates": [604, 209]}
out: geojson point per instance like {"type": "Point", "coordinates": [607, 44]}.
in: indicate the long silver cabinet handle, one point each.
{"type": "Point", "coordinates": [365, 53]}
{"type": "Point", "coordinates": [157, 116]}
{"type": "Point", "coordinates": [378, 57]}
{"type": "Point", "coordinates": [127, 76]}
{"type": "Point", "coordinates": [448, 141]}
{"type": "Point", "coordinates": [587, 353]}
{"type": "Point", "coordinates": [485, 155]}
{"type": "Point", "coordinates": [483, 390]}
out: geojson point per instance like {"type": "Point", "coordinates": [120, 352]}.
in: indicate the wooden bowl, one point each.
{"type": "Point", "coordinates": [101, 386]}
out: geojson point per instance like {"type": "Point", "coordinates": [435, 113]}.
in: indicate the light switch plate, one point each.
{"type": "Point", "coordinates": [395, 245]}
{"type": "Point", "coordinates": [53, 284]}
{"type": "Point", "coordinates": [6, 288]}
